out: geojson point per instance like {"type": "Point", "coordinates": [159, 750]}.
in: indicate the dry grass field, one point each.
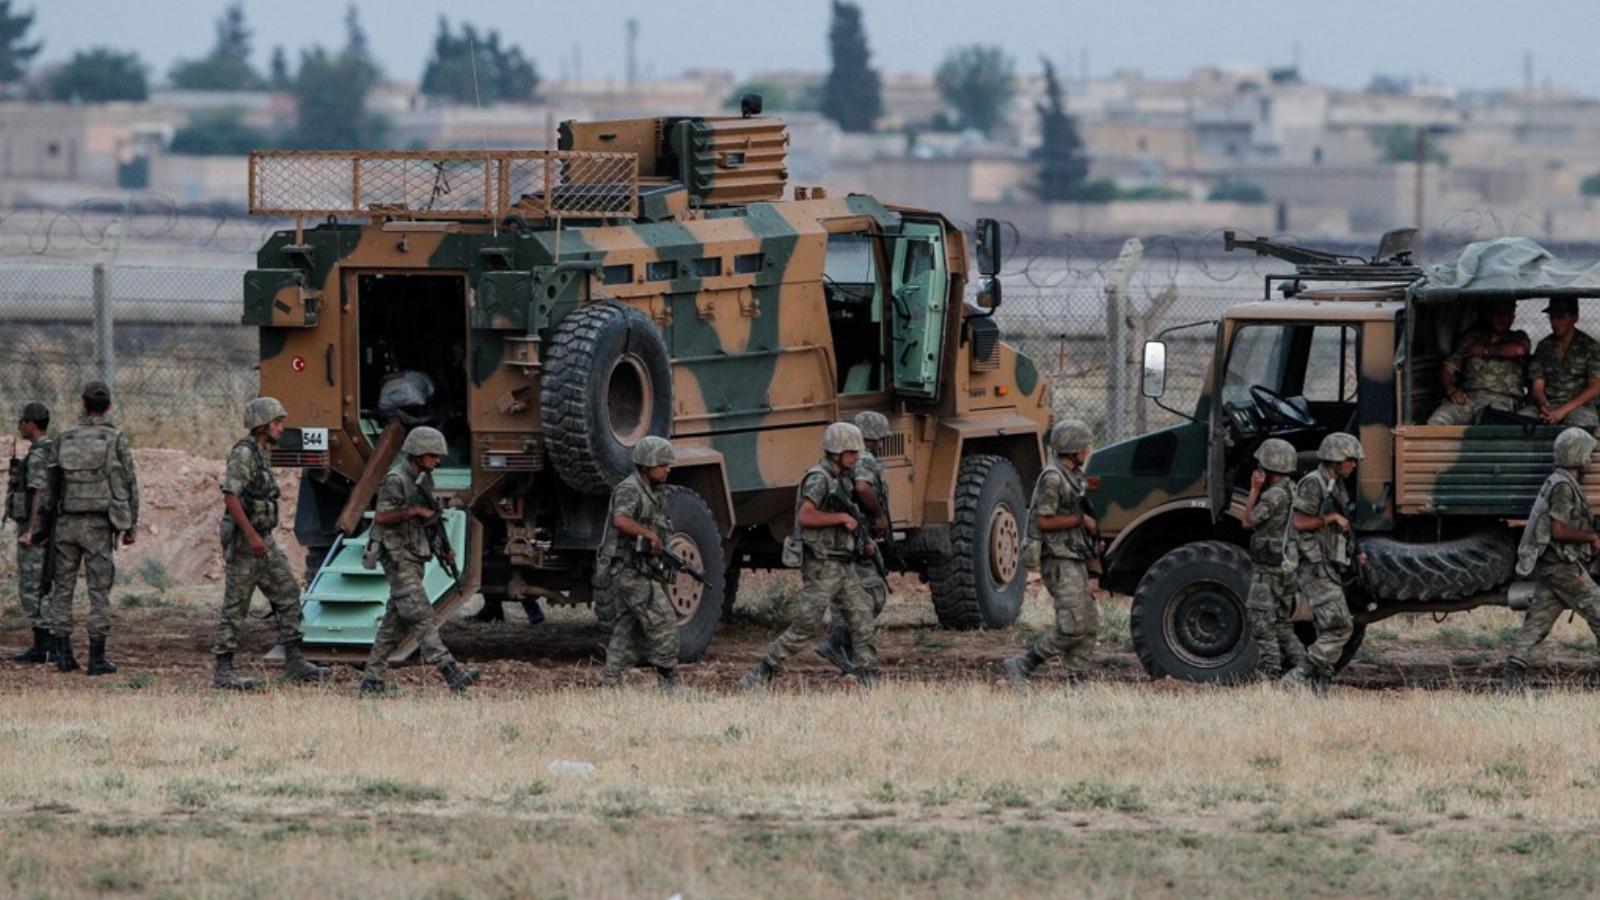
{"type": "Point", "coordinates": [148, 783]}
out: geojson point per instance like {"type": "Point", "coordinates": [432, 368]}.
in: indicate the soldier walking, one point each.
{"type": "Point", "coordinates": [827, 538]}
{"type": "Point", "coordinates": [1557, 546]}
{"type": "Point", "coordinates": [27, 504]}
{"type": "Point", "coordinates": [99, 500]}
{"type": "Point", "coordinates": [1270, 602]}
{"type": "Point", "coordinates": [646, 624]}
{"type": "Point", "coordinates": [250, 550]}
{"type": "Point", "coordinates": [1322, 546]}
{"type": "Point", "coordinates": [873, 493]}
{"type": "Point", "coordinates": [1062, 528]}
{"type": "Point", "coordinates": [399, 539]}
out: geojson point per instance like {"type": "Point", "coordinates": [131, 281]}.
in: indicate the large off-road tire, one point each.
{"type": "Point", "coordinates": [1445, 570]}
{"type": "Point", "coordinates": [980, 583]}
{"type": "Point", "coordinates": [695, 537]}
{"type": "Point", "coordinates": [1188, 619]}
{"type": "Point", "coordinates": [607, 383]}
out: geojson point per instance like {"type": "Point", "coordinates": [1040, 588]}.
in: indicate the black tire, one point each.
{"type": "Point", "coordinates": [1188, 618]}
{"type": "Point", "coordinates": [607, 383]}
{"type": "Point", "coordinates": [696, 538]}
{"type": "Point", "coordinates": [1445, 570]}
{"type": "Point", "coordinates": [977, 585]}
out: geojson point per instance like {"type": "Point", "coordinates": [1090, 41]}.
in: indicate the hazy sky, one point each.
{"type": "Point", "coordinates": [1467, 43]}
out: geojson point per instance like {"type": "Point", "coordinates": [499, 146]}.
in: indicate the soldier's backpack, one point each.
{"type": "Point", "coordinates": [1536, 536]}
{"type": "Point", "coordinates": [92, 481]}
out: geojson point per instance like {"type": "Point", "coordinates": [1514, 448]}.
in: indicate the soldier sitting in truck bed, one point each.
{"type": "Point", "coordinates": [1565, 371]}
{"type": "Point", "coordinates": [1485, 371]}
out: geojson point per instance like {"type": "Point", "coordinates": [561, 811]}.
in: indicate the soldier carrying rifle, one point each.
{"type": "Point", "coordinates": [28, 504]}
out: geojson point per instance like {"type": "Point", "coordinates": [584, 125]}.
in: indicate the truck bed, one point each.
{"type": "Point", "coordinates": [1479, 470]}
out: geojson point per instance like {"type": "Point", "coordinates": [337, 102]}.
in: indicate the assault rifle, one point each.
{"type": "Point", "coordinates": [666, 565]}
{"type": "Point", "coordinates": [866, 549]}
{"type": "Point", "coordinates": [438, 539]}
{"type": "Point", "coordinates": [1086, 507]}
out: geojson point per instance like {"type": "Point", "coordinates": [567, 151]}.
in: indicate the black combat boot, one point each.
{"type": "Point", "coordinates": [1019, 669]}
{"type": "Point", "coordinates": [666, 680]}
{"type": "Point", "coordinates": [1321, 685]}
{"type": "Point", "coordinates": [372, 687]}
{"type": "Point", "coordinates": [490, 611]}
{"type": "Point", "coordinates": [98, 664]}
{"type": "Point", "coordinates": [757, 677]}
{"type": "Point", "coordinates": [534, 612]}
{"type": "Point", "coordinates": [868, 678]}
{"type": "Point", "coordinates": [833, 650]}
{"type": "Point", "coordinates": [65, 661]}
{"type": "Point", "coordinates": [297, 669]}
{"type": "Point", "coordinates": [225, 678]}
{"type": "Point", "coordinates": [457, 678]}
{"type": "Point", "coordinates": [39, 652]}
{"type": "Point", "coordinates": [1514, 681]}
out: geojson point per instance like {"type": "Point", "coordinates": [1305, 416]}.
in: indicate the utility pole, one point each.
{"type": "Point", "coordinates": [1422, 171]}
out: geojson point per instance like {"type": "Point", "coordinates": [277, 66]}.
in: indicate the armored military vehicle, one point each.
{"type": "Point", "coordinates": [547, 309]}
{"type": "Point", "coordinates": [1342, 343]}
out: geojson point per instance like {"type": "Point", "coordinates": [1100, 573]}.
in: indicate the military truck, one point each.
{"type": "Point", "coordinates": [1342, 343]}
{"type": "Point", "coordinates": [547, 309]}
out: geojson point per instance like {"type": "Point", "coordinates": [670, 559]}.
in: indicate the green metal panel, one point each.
{"type": "Point", "coordinates": [920, 282]}
{"type": "Point", "coordinates": [346, 601]}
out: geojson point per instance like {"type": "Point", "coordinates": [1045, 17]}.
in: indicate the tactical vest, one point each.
{"type": "Point", "coordinates": [1268, 539]}
{"type": "Point", "coordinates": [1070, 543]}
{"type": "Point", "coordinates": [260, 496]}
{"type": "Point", "coordinates": [832, 542]}
{"type": "Point", "coordinates": [652, 514]}
{"type": "Point", "coordinates": [92, 478]}
{"type": "Point", "coordinates": [1328, 543]}
{"type": "Point", "coordinates": [1536, 537]}
{"type": "Point", "coordinates": [408, 538]}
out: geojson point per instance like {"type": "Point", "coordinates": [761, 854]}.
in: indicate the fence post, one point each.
{"type": "Point", "coordinates": [1116, 336]}
{"type": "Point", "coordinates": [104, 328]}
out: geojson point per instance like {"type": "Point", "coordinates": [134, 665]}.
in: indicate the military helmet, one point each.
{"type": "Point", "coordinates": [261, 411]}
{"type": "Point", "coordinates": [1573, 448]}
{"type": "Point", "coordinates": [423, 441]}
{"type": "Point", "coordinates": [874, 425]}
{"type": "Point", "coordinates": [653, 451]}
{"type": "Point", "coordinates": [1070, 436]}
{"type": "Point", "coordinates": [34, 412]}
{"type": "Point", "coordinates": [842, 437]}
{"type": "Point", "coordinates": [1340, 447]}
{"type": "Point", "coordinates": [1277, 455]}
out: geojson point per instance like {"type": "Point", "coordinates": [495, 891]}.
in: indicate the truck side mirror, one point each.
{"type": "Point", "coordinates": [989, 294]}
{"type": "Point", "coordinates": [988, 233]}
{"type": "Point", "coordinates": [1154, 381]}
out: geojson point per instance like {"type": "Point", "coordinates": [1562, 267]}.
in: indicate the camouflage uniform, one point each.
{"type": "Point", "coordinates": [1566, 377]}
{"type": "Point", "coordinates": [869, 470]}
{"type": "Point", "coordinates": [30, 560]}
{"type": "Point", "coordinates": [1270, 602]}
{"type": "Point", "coordinates": [1489, 382]}
{"type": "Point", "coordinates": [828, 575]}
{"type": "Point", "coordinates": [1064, 569]}
{"type": "Point", "coordinates": [99, 499]}
{"type": "Point", "coordinates": [403, 552]}
{"type": "Point", "coordinates": [646, 623]}
{"type": "Point", "coordinates": [1324, 555]}
{"type": "Point", "coordinates": [249, 477]}
{"type": "Point", "coordinates": [1563, 573]}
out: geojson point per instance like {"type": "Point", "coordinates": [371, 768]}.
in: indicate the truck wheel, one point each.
{"type": "Point", "coordinates": [1445, 570]}
{"type": "Point", "coordinates": [695, 538]}
{"type": "Point", "coordinates": [607, 383]}
{"type": "Point", "coordinates": [1188, 619]}
{"type": "Point", "coordinates": [980, 584]}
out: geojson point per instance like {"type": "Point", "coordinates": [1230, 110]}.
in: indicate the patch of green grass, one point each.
{"type": "Point", "coordinates": [388, 790]}
{"type": "Point", "coordinates": [143, 600]}
{"type": "Point", "coordinates": [192, 793]}
{"type": "Point", "coordinates": [153, 573]}
{"type": "Point", "coordinates": [931, 640]}
{"type": "Point", "coordinates": [1097, 794]}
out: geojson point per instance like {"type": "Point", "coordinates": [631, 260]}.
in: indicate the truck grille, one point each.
{"type": "Point", "coordinates": [985, 345]}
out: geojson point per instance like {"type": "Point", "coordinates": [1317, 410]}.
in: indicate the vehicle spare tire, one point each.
{"type": "Point", "coordinates": [1443, 570]}
{"type": "Point", "coordinates": [607, 383]}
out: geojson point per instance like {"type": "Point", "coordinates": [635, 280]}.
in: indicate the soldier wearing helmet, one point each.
{"type": "Point", "coordinates": [251, 553]}
{"type": "Point", "coordinates": [99, 500]}
{"type": "Point", "coordinates": [1557, 546]}
{"type": "Point", "coordinates": [1322, 542]}
{"type": "Point", "coordinates": [400, 535]}
{"type": "Point", "coordinates": [1060, 524]}
{"type": "Point", "coordinates": [1272, 592]}
{"type": "Point", "coordinates": [827, 570]}
{"type": "Point", "coordinates": [646, 624]}
{"type": "Point", "coordinates": [872, 492]}
{"type": "Point", "coordinates": [27, 504]}
{"type": "Point", "coordinates": [1485, 371]}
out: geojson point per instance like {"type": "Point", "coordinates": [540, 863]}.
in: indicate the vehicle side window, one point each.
{"type": "Point", "coordinates": [1331, 365]}
{"type": "Point", "coordinates": [1258, 356]}
{"type": "Point", "coordinates": [850, 260]}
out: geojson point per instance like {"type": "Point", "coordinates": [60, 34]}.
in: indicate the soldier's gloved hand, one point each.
{"type": "Point", "coordinates": [258, 547]}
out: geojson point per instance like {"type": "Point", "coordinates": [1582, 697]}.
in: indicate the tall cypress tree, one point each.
{"type": "Point", "coordinates": [851, 96]}
{"type": "Point", "coordinates": [1063, 166]}
{"type": "Point", "coordinates": [14, 54]}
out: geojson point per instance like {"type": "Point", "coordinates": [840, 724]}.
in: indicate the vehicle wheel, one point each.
{"type": "Point", "coordinates": [607, 383]}
{"type": "Point", "coordinates": [1446, 570]}
{"type": "Point", "coordinates": [695, 538]}
{"type": "Point", "coordinates": [980, 584]}
{"type": "Point", "coordinates": [1188, 619]}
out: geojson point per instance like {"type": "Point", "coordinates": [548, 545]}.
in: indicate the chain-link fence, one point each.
{"type": "Point", "coordinates": [180, 364]}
